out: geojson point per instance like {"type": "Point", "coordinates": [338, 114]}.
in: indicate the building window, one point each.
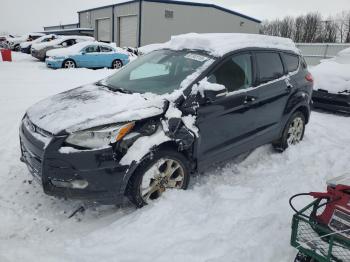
{"type": "Point", "coordinates": [169, 14]}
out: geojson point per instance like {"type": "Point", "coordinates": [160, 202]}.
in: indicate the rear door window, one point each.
{"type": "Point", "coordinates": [270, 66]}
{"type": "Point", "coordinates": [291, 62]}
{"type": "Point", "coordinates": [235, 73]}
{"type": "Point", "coordinates": [92, 49]}
{"type": "Point", "coordinates": [105, 49]}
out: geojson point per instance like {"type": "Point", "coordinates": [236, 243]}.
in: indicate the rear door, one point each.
{"type": "Point", "coordinates": [227, 125]}
{"type": "Point", "coordinates": [106, 56]}
{"type": "Point", "coordinates": [274, 90]}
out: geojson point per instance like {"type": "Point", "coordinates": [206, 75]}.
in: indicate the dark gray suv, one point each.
{"type": "Point", "coordinates": [169, 113]}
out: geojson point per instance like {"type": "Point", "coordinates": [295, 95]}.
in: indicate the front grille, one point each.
{"type": "Point", "coordinates": [340, 222]}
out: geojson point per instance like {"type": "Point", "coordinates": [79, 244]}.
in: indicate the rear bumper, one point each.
{"type": "Point", "coordinates": [106, 180]}
{"type": "Point", "coordinates": [331, 102]}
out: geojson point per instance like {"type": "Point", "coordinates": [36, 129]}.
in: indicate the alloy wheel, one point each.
{"type": "Point", "coordinates": [117, 64]}
{"type": "Point", "coordinates": [295, 131]}
{"type": "Point", "coordinates": [69, 64]}
{"type": "Point", "coordinates": [164, 174]}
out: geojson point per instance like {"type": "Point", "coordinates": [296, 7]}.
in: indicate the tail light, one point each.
{"type": "Point", "coordinates": [309, 78]}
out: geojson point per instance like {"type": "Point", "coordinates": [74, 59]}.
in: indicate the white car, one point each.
{"type": "Point", "coordinates": [26, 46]}
{"type": "Point", "coordinates": [332, 83]}
{"type": "Point", "coordinates": [15, 42]}
{"type": "Point", "coordinates": [39, 50]}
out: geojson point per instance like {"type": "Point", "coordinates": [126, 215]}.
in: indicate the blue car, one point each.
{"type": "Point", "coordinates": [87, 54]}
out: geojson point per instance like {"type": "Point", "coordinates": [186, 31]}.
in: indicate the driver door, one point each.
{"type": "Point", "coordinates": [227, 125]}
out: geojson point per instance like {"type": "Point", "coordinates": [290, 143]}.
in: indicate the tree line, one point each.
{"type": "Point", "coordinates": [311, 28]}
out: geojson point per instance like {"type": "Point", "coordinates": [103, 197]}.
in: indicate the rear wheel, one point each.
{"type": "Point", "coordinates": [167, 170]}
{"type": "Point", "coordinates": [69, 63]}
{"type": "Point", "coordinates": [293, 132]}
{"type": "Point", "coordinates": [117, 64]}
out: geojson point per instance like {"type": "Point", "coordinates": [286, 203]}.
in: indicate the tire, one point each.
{"type": "Point", "coordinates": [168, 169]}
{"type": "Point", "coordinates": [293, 132]}
{"type": "Point", "coordinates": [69, 63]}
{"type": "Point", "coordinates": [117, 64]}
{"type": "Point", "coordinates": [17, 48]}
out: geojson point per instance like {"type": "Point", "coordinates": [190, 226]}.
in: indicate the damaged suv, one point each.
{"type": "Point", "coordinates": [194, 101]}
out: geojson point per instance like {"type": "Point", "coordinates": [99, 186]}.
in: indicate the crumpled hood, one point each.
{"type": "Point", "coordinates": [90, 106]}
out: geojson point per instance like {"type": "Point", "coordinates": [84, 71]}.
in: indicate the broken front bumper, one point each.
{"type": "Point", "coordinates": [87, 174]}
{"type": "Point", "coordinates": [332, 102]}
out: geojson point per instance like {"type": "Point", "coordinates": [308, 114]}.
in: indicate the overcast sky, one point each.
{"type": "Point", "coordinates": [20, 16]}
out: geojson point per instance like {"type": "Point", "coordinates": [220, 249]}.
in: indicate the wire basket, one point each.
{"type": "Point", "coordinates": [318, 241]}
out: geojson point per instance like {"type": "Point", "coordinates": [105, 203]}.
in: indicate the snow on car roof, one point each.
{"type": "Point", "coordinates": [75, 49]}
{"type": "Point", "coordinates": [61, 39]}
{"type": "Point", "coordinates": [220, 44]}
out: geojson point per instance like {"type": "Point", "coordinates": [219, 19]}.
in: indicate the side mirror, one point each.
{"type": "Point", "coordinates": [214, 93]}
{"type": "Point", "coordinates": [83, 53]}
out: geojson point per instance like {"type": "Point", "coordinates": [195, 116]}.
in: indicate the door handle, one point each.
{"type": "Point", "coordinates": [249, 99]}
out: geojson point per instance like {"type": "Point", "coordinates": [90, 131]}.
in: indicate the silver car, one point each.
{"type": "Point", "coordinates": [39, 50]}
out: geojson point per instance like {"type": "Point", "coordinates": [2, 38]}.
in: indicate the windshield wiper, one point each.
{"type": "Point", "coordinates": [114, 88]}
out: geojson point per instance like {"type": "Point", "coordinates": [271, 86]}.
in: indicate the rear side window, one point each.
{"type": "Point", "coordinates": [270, 66]}
{"type": "Point", "coordinates": [105, 49]}
{"type": "Point", "coordinates": [291, 62]}
{"type": "Point", "coordinates": [92, 49]}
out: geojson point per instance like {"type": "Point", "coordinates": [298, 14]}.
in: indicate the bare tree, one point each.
{"type": "Point", "coordinates": [299, 29]}
{"type": "Point", "coordinates": [287, 27]}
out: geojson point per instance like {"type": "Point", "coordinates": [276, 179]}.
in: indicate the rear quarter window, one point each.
{"type": "Point", "coordinates": [269, 65]}
{"type": "Point", "coordinates": [291, 62]}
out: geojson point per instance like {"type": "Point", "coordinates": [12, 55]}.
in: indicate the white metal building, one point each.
{"type": "Point", "coordinates": [141, 22]}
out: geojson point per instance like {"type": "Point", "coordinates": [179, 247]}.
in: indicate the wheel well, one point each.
{"type": "Point", "coordinates": [304, 110]}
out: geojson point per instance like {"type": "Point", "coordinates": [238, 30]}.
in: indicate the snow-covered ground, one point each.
{"type": "Point", "coordinates": [237, 211]}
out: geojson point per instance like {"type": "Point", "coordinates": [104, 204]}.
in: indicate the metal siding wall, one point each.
{"type": "Point", "coordinates": [124, 10]}
{"type": "Point", "coordinates": [314, 53]}
{"type": "Point", "coordinates": [88, 18]}
{"type": "Point", "coordinates": [156, 28]}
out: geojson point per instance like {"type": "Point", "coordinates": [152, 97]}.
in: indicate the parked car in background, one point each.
{"type": "Point", "coordinates": [26, 46]}
{"type": "Point", "coordinates": [4, 40]}
{"type": "Point", "coordinates": [196, 100]}
{"type": "Point", "coordinates": [332, 83]}
{"type": "Point", "coordinates": [87, 54]}
{"type": "Point", "coordinates": [39, 50]}
{"type": "Point", "coordinates": [16, 41]}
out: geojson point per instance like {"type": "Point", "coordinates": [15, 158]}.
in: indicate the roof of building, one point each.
{"type": "Point", "coordinates": [189, 3]}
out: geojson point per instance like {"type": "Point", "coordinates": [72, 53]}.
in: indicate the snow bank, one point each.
{"type": "Point", "coordinates": [333, 74]}
{"type": "Point", "coordinates": [220, 44]}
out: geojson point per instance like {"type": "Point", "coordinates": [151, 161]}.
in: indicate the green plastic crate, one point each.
{"type": "Point", "coordinates": [316, 241]}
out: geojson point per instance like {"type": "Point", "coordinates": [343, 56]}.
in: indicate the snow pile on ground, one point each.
{"type": "Point", "coordinates": [237, 211]}
{"type": "Point", "coordinates": [333, 74]}
{"type": "Point", "coordinates": [220, 44]}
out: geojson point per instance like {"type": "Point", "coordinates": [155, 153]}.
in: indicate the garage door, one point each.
{"type": "Point", "coordinates": [104, 30]}
{"type": "Point", "coordinates": [128, 31]}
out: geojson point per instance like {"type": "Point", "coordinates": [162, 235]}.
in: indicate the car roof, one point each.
{"type": "Point", "coordinates": [220, 44]}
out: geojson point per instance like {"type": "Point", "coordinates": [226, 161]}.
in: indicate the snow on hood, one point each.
{"type": "Point", "coordinates": [58, 41]}
{"type": "Point", "coordinates": [220, 44]}
{"type": "Point", "coordinates": [90, 106]}
{"type": "Point", "coordinates": [333, 74]}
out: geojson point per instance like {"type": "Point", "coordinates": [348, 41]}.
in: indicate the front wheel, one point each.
{"type": "Point", "coordinates": [69, 63]}
{"type": "Point", "coordinates": [168, 169]}
{"type": "Point", "coordinates": [293, 132]}
{"type": "Point", "coordinates": [17, 48]}
{"type": "Point", "coordinates": [117, 64]}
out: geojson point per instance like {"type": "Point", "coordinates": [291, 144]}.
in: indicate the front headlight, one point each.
{"type": "Point", "coordinates": [99, 137]}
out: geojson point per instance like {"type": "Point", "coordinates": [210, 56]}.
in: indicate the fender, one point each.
{"type": "Point", "coordinates": [300, 100]}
